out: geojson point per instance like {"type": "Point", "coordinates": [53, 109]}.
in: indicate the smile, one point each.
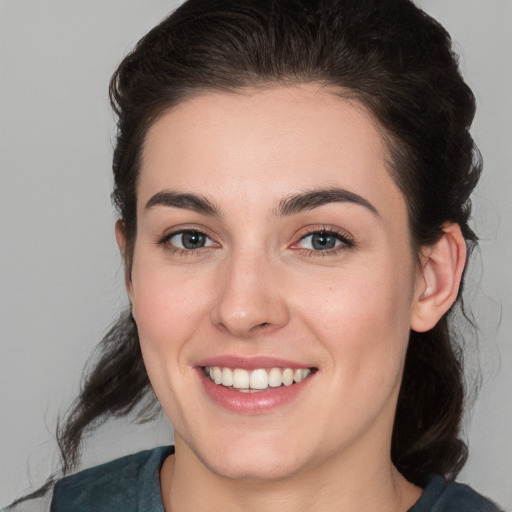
{"type": "Point", "coordinates": [260, 379]}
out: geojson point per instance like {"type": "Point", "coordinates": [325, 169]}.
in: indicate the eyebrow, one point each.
{"type": "Point", "coordinates": [293, 204]}
{"type": "Point", "coordinates": [197, 203]}
{"type": "Point", "coordinates": [309, 200]}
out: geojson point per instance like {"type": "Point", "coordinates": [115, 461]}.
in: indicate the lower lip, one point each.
{"type": "Point", "coordinates": [251, 403]}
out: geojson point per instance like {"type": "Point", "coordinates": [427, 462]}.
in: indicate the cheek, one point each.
{"type": "Point", "coordinates": [165, 298]}
{"type": "Point", "coordinates": [359, 298]}
{"type": "Point", "coordinates": [362, 317]}
{"type": "Point", "coordinates": [168, 306]}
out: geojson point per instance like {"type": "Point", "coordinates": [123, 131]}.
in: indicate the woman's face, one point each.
{"type": "Point", "coordinates": [272, 242]}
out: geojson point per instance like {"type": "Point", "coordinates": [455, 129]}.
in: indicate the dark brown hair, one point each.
{"type": "Point", "coordinates": [397, 62]}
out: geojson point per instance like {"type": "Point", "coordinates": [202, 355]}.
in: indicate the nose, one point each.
{"type": "Point", "coordinates": [249, 300]}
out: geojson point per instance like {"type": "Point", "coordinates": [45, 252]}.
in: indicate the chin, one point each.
{"type": "Point", "coordinates": [253, 458]}
{"type": "Point", "coordinates": [259, 469]}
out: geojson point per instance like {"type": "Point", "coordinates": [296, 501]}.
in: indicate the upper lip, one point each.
{"type": "Point", "coordinates": [251, 363]}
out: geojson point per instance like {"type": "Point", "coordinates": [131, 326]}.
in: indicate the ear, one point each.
{"type": "Point", "coordinates": [439, 278]}
{"type": "Point", "coordinates": [120, 230]}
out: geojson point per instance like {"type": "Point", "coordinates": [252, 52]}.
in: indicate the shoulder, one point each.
{"type": "Point", "coordinates": [442, 496]}
{"type": "Point", "coordinates": [127, 483]}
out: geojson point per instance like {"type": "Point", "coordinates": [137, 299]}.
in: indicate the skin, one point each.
{"type": "Point", "coordinates": [258, 288]}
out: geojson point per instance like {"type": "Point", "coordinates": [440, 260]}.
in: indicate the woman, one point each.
{"type": "Point", "coordinates": [293, 183]}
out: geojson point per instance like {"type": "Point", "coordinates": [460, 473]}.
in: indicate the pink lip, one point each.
{"type": "Point", "coordinates": [259, 402]}
{"type": "Point", "coordinates": [250, 363]}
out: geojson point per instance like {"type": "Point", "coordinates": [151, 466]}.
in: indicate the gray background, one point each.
{"type": "Point", "coordinates": [60, 274]}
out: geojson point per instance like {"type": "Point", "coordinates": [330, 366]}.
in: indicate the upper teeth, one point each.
{"type": "Point", "coordinates": [255, 379]}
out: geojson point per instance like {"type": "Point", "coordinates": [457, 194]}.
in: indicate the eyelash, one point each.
{"type": "Point", "coordinates": [165, 242]}
{"type": "Point", "coordinates": [346, 242]}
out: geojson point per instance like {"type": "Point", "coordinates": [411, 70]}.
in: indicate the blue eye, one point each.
{"type": "Point", "coordinates": [190, 240]}
{"type": "Point", "coordinates": [323, 241]}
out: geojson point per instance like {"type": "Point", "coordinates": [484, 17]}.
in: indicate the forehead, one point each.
{"type": "Point", "coordinates": [258, 144]}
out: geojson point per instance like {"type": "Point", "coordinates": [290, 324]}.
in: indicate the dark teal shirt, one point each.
{"type": "Point", "coordinates": [131, 484]}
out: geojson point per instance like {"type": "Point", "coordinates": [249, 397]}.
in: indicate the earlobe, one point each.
{"type": "Point", "coordinates": [439, 280]}
{"type": "Point", "coordinates": [120, 230]}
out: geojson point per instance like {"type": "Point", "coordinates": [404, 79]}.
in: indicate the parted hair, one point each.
{"type": "Point", "coordinates": [399, 64]}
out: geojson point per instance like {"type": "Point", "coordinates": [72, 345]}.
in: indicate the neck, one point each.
{"type": "Point", "coordinates": [355, 485]}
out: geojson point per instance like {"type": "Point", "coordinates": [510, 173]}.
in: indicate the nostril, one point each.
{"type": "Point", "coordinates": [260, 327]}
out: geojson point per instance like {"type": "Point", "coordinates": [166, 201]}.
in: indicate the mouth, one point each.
{"type": "Point", "coordinates": [254, 385]}
{"type": "Point", "coordinates": [257, 380]}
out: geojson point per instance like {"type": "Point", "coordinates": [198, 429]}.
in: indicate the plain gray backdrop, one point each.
{"type": "Point", "coordinates": [60, 273]}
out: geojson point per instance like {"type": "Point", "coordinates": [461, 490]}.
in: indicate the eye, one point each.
{"type": "Point", "coordinates": [324, 241]}
{"type": "Point", "coordinates": [189, 240]}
